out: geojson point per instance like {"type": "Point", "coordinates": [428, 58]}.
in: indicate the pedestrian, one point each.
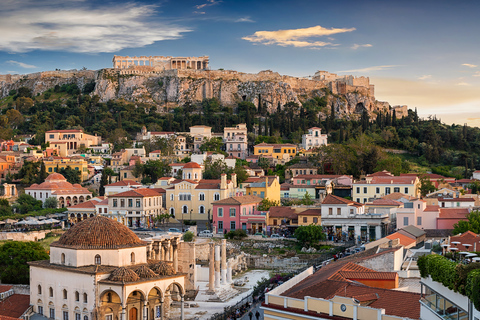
{"type": "Point", "coordinates": [257, 314]}
{"type": "Point", "coordinates": [250, 315]}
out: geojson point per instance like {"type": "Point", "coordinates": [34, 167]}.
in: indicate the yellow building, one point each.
{"type": "Point", "coordinates": [266, 188]}
{"type": "Point", "coordinates": [52, 163]}
{"type": "Point", "coordinates": [380, 186]}
{"type": "Point", "coordinates": [310, 216]}
{"type": "Point", "coordinates": [278, 151]}
{"type": "Point", "coordinates": [68, 141]}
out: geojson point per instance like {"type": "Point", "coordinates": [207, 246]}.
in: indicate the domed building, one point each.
{"type": "Point", "coordinates": [57, 186]}
{"type": "Point", "coordinates": [99, 270]}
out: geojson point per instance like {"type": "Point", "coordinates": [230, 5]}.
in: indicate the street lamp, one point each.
{"type": "Point", "coordinates": [191, 210]}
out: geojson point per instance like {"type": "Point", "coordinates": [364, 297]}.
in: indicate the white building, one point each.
{"type": "Point", "coordinates": [236, 142]}
{"type": "Point", "coordinates": [99, 269]}
{"type": "Point", "coordinates": [121, 186]}
{"type": "Point", "coordinates": [314, 138]}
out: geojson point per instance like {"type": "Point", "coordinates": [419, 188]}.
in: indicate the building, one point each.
{"type": "Point", "coordinates": [192, 200]}
{"type": "Point", "coordinates": [6, 163]}
{"type": "Point", "coordinates": [99, 269]}
{"type": "Point", "coordinates": [314, 139]}
{"type": "Point", "coordinates": [309, 216]}
{"type": "Point", "coordinates": [436, 179]}
{"type": "Point", "coordinates": [121, 186]}
{"type": "Point", "coordinates": [57, 186]}
{"type": "Point", "coordinates": [68, 141]}
{"type": "Point", "coordinates": [278, 151]}
{"type": "Point", "coordinates": [119, 160]}
{"type": "Point", "coordinates": [84, 210]}
{"type": "Point", "coordinates": [235, 139]}
{"type": "Point", "coordinates": [135, 208]}
{"type": "Point", "coordinates": [239, 213]}
{"type": "Point", "coordinates": [13, 306]}
{"type": "Point", "coordinates": [161, 62]}
{"type": "Point", "coordinates": [380, 186]}
{"type": "Point", "coordinates": [52, 164]}
{"type": "Point", "coordinates": [266, 188]}
{"type": "Point", "coordinates": [296, 169]}
{"type": "Point", "coordinates": [200, 134]}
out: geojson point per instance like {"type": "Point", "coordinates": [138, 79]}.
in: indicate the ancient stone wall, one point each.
{"type": "Point", "coordinates": [23, 236]}
{"type": "Point", "coordinates": [186, 263]}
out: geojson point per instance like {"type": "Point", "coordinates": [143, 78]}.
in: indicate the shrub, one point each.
{"type": "Point", "coordinates": [188, 236]}
{"type": "Point", "coordinates": [236, 235]}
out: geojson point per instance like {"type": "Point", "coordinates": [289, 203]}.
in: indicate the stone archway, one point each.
{"type": "Point", "coordinates": [155, 304]}
{"type": "Point", "coordinates": [360, 108]}
{"type": "Point", "coordinates": [173, 297]}
{"type": "Point", "coordinates": [135, 305]}
{"type": "Point", "coordinates": [110, 304]}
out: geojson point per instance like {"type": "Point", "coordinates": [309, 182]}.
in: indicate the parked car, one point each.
{"type": "Point", "coordinates": [205, 233]}
{"type": "Point", "coordinates": [174, 230]}
{"type": "Point", "coordinates": [276, 236]}
{"type": "Point", "coordinates": [260, 234]}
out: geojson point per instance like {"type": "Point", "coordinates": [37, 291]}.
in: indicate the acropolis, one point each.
{"type": "Point", "coordinates": [165, 63]}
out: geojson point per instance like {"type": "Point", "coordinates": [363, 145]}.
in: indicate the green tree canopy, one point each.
{"type": "Point", "coordinates": [51, 202]}
{"type": "Point", "coordinates": [309, 234]}
{"type": "Point", "coordinates": [472, 224]}
{"type": "Point", "coordinates": [426, 186]}
{"type": "Point", "coordinates": [14, 256]}
{"type": "Point", "coordinates": [26, 203]}
{"type": "Point", "coordinates": [72, 175]}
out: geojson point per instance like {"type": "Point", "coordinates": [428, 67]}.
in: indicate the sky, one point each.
{"type": "Point", "coordinates": [423, 54]}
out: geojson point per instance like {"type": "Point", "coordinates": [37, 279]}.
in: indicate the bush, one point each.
{"type": "Point", "coordinates": [188, 236]}
{"type": "Point", "coordinates": [190, 222]}
{"type": "Point", "coordinates": [236, 235]}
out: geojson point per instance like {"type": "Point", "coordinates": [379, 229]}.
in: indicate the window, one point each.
{"type": "Point", "coordinates": [62, 258]}
{"type": "Point", "coordinates": [171, 197]}
{"type": "Point", "coordinates": [201, 197]}
{"type": "Point", "coordinates": [85, 317]}
{"type": "Point", "coordinates": [364, 189]}
{"type": "Point", "coordinates": [65, 315]}
{"type": "Point", "coordinates": [304, 219]}
{"type": "Point", "coordinates": [50, 169]}
{"type": "Point", "coordinates": [358, 200]}
{"type": "Point", "coordinates": [419, 221]}
{"type": "Point", "coordinates": [406, 190]}
{"type": "Point", "coordinates": [377, 190]}
{"type": "Point", "coordinates": [201, 209]}
{"type": "Point", "coordinates": [132, 257]}
{"type": "Point", "coordinates": [364, 200]}
{"type": "Point", "coordinates": [130, 203]}
{"type": "Point", "coordinates": [405, 221]}
{"type": "Point", "coordinates": [330, 211]}
{"type": "Point", "coordinates": [220, 225]}
{"type": "Point", "coordinates": [50, 292]}
{"type": "Point", "coordinates": [184, 209]}
{"type": "Point", "coordinates": [122, 203]}
{"type": "Point", "coordinates": [52, 136]}
{"type": "Point", "coordinates": [339, 211]}
{"type": "Point", "coordinates": [39, 289]}
{"type": "Point", "coordinates": [77, 296]}
{"type": "Point", "coordinates": [78, 316]}
{"type": "Point", "coordinates": [216, 196]}
{"type": "Point", "coordinates": [52, 313]}
{"type": "Point", "coordinates": [85, 298]}
{"type": "Point", "coordinates": [396, 189]}
{"type": "Point", "coordinates": [65, 294]}
{"type": "Point", "coordinates": [232, 225]}
{"type": "Point", "coordinates": [232, 212]}
{"type": "Point", "coordinates": [244, 211]}
{"type": "Point", "coordinates": [315, 220]}
{"type": "Point", "coordinates": [98, 259]}
{"type": "Point", "coordinates": [274, 222]}
{"type": "Point", "coordinates": [114, 202]}
{"type": "Point", "coordinates": [358, 189]}
{"type": "Point", "coordinates": [138, 203]}
{"type": "Point", "coordinates": [109, 317]}
{"type": "Point", "coordinates": [387, 190]}
{"type": "Point", "coordinates": [220, 212]}
{"type": "Point", "coordinates": [40, 310]}
{"type": "Point", "coordinates": [124, 175]}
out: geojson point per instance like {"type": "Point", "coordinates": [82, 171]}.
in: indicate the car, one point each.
{"type": "Point", "coordinates": [205, 233]}
{"type": "Point", "coordinates": [276, 236]}
{"type": "Point", "coordinates": [174, 230]}
{"type": "Point", "coordinates": [260, 234]}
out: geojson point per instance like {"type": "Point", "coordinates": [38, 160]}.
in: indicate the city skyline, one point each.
{"type": "Point", "coordinates": [416, 54]}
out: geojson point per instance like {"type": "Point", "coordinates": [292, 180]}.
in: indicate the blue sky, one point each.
{"type": "Point", "coordinates": [420, 53]}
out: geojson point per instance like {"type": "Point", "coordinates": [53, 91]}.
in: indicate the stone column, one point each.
{"type": "Point", "coordinates": [182, 316]}
{"type": "Point", "coordinates": [229, 272]}
{"type": "Point", "coordinates": [224, 261]}
{"type": "Point", "coordinates": [378, 232]}
{"type": "Point", "coordinates": [175, 255]}
{"type": "Point", "coordinates": [161, 309]}
{"type": "Point", "coordinates": [162, 251]}
{"type": "Point", "coordinates": [358, 232]}
{"type": "Point", "coordinates": [166, 249]}
{"type": "Point", "coordinates": [170, 251]}
{"type": "Point", "coordinates": [211, 268]}
{"type": "Point", "coordinates": [145, 310]}
{"type": "Point", "coordinates": [217, 266]}
{"type": "Point", "coordinates": [123, 313]}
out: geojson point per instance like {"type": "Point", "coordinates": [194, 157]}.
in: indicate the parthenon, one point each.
{"type": "Point", "coordinates": [165, 63]}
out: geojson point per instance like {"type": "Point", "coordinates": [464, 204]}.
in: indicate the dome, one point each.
{"type": "Point", "coordinates": [55, 177]}
{"type": "Point", "coordinates": [123, 274]}
{"type": "Point", "coordinates": [163, 268]}
{"type": "Point", "coordinates": [99, 233]}
{"type": "Point", "coordinates": [145, 272]}
{"type": "Point", "coordinates": [191, 165]}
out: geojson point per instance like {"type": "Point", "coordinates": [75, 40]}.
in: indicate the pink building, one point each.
{"type": "Point", "coordinates": [238, 213]}
{"type": "Point", "coordinates": [449, 216]}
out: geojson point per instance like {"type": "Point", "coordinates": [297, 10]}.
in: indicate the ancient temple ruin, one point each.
{"type": "Point", "coordinates": [161, 62]}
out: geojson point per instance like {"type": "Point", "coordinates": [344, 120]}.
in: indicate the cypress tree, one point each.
{"type": "Point", "coordinates": [42, 175]}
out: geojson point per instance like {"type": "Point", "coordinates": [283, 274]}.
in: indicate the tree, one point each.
{"type": "Point", "coordinates": [50, 202]}
{"type": "Point", "coordinates": [42, 175]}
{"type": "Point", "coordinates": [72, 176]}
{"type": "Point", "coordinates": [5, 208]}
{"type": "Point", "coordinates": [214, 168]}
{"type": "Point", "coordinates": [475, 187]}
{"type": "Point", "coordinates": [156, 169]}
{"type": "Point", "coordinates": [426, 186]}
{"type": "Point", "coordinates": [309, 234]}
{"type": "Point", "coordinates": [188, 236]}
{"type": "Point", "coordinates": [263, 163]}
{"type": "Point", "coordinates": [214, 144]}
{"type": "Point", "coordinates": [472, 224]}
{"type": "Point", "coordinates": [266, 204]}
{"type": "Point", "coordinates": [103, 181]}
{"type": "Point", "coordinates": [26, 203]}
{"type": "Point", "coordinates": [14, 256]}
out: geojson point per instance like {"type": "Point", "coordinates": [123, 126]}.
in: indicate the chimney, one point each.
{"type": "Point", "coordinates": [234, 180]}
{"type": "Point", "coordinates": [223, 181]}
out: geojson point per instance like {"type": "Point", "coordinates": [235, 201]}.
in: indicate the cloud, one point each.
{"type": "Point", "coordinates": [244, 19]}
{"type": "Point", "coordinates": [356, 46]}
{"type": "Point", "coordinates": [207, 4]}
{"type": "Point", "coordinates": [21, 64]}
{"type": "Point", "coordinates": [463, 84]}
{"type": "Point", "coordinates": [425, 77]}
{"type": "Point", "coordinates": [469, 65]}
{"type": "Point", "coordinates": [296, 37]}
{"type": "Point", "coordinates": [476, 74]}
{"type": "Point", "coordinates": [368, 69]}
{"type": "Point", "coordinates": [78, 26]}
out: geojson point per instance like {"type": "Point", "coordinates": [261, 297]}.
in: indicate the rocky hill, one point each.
{"type": "Point", "coordinates": [350, 96]}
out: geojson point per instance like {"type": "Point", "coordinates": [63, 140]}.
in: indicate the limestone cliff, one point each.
{"type": "Point", "coordinates": [177, 87]}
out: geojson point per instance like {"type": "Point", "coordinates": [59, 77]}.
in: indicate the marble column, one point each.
{"type": "Point", "coordinates": [161, 308]}
{"type": "Point", "coordinates": [217, 266]}
{"type": "Point", "coordinates": [123, 313]}
{"type": "Point", "coordinates": [170, 251]}
{"type": "Point", "coordinates": [229, 272]}
{"type": "Point", "coordinates": [166, 248]}
{"type": "Point", "coordinates": [224, 261]}
{"type": "Point", "coordinates": [162, 251]}
{"type": "Point", "coordinates": [211, 268]}
{"type": "Point", "coordinates": [182, 316]}
{"type": "Point", "coordinates": [145, 310]}
{"type": "Point", "coordinates": [175, 255]}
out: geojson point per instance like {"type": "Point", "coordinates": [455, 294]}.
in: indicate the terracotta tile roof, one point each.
{"type": "Point", "coordinates": [366, 297]}
{"type": "Point", "coordinates": [123, 183]}
{"type": "Point", "coordinates": [466, 238]}
{"type": "Point", "coordinates": [372, 275]}
{"type": "Point", "coordinates": [431, 176]}
{"type": "Point", "coordinates": [404, 240]}
{"type": "Point", "coordinates": [4, 288]}
{"type": "Point", "coordinates": [239, 200]}
{"type": "Point", "coordinates": [431, 208]}
{"type": "Point", "coordinates": [275, 145]}
{"type": "Point", "coordinates": [8, 318]}
{"type": "Point", "coordinates": [456, 199]}
{"type": "Point", "coordinates": [282, 212]}
{"type": "Point", "coordinates": [99, 233]}
{"type": "Point", "coordinates": [453, 213]}
{"type": "Point", "coordinates": [388, 180]}
{"type": "Point", "coordinates": [86, 204]}
{"type": "Point", "coordinates": [15, 305]}
{"type": "Point", "coordinates": [331, 199]}
{"type": "Point", "coordinates": [311, 212]}
{"type": "Point", "coordinates": [143, 192]}
{"type": "Point", "coordinates": [191, 165]}
{"type": "Point", "coordinates": [159, 190]}
{"type": "Point", "coordinates": [383, 173]}
{"type": "Point", "coordinates": [285, 186]}
{"type": "Point", "coordinates": [65, 131]}
{"type": "Point", "coordinates": [385, 202]}
{"type": "Point", "coordinates": [317, 176]}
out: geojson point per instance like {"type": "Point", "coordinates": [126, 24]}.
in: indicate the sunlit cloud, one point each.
{"type": "Point", "coordinates": [476, 74]}
{"type": "Point", "coordinates": [296, 37]}
{"type": "Point", "coordinates": [244, 19]}
{"type": "Point", "coordinates": [425, 77]}
{"type": "Point", "coordinates": [207, 4]}
{"type": "Point", "coordinates": [199, 12]}
{"type": "Point", "coordinates": [76, 26]}
{"type": "Point", "coordinates": [356, 46]}
{"type": "Point", "coordinates": [368, 69]}
{"type": "Point", "coordinates": [21, 64]}
{"type": "Point", "coordinates": [469, 65]}
{"type": "Point", "coordinates": [463, 84]}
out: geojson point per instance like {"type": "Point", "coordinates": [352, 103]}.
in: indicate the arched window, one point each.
{"type": "Point", "coordinates": [185, 209]}
{"type": "Point", "coordinates": [172, 212]}
{"type": "Point", "coordinates": [85, 298]}
{"type": "Point", "coordinates": [85, 317]}
{"type": "Point", "coordinates": [109, 297]}
{"type": "Point", "coordinates": [201, 209]}
{"type": "Point", "coordinates": [132, 257]}
{"type": "Point", "coordinates": [189, 176]}
{"type": "Point", "coordinates": [39, 289]}
{"type": "Point", "coordinates": [196, 175]}
{"type": "Point", "coordinates": [216, 196]}
{"type": "Point", "coordinates": [98, 259]}
{"type": "Point", "coordinates": [77, 296]}
{"type": "Point", "coordinates": [50, 292]}
{"type": "Point", "coordinates": [172, 197]}
{"type": "Point", "coordinates": [201, 197]}
{"type": "Point", "coordinates": [62, 258]}
{"type": "Point", "coordinates": [65, 295]}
